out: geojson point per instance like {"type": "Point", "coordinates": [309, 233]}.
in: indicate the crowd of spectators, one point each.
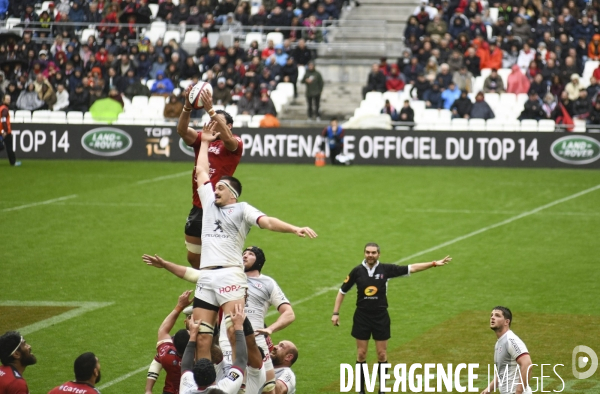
{"type": "Point", "coordinates": [545, 43]}
{"type": "Point", "coordinates": [48, 68]}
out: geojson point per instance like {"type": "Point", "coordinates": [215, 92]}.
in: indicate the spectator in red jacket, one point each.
{"type": "Point", "coordinates": [394, 82]}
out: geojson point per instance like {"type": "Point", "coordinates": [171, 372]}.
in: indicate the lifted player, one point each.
{"type": "Point", "coordinates": [220, 282]}
{"type": "Point", "coordinates": [223, 157]}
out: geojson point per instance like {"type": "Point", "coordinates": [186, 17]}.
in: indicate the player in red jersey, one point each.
{"type": "Point", "coordinates": [15, 355]}
{"type": "Point", "coordinates": [87, 375]}
{"type": "Point", "coordinates": [170, 350]}
{"type": "Point", "coordinates": [224, 155]}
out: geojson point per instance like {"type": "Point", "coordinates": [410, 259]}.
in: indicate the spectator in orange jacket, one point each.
{"type": "Point", "coordinates": [594, 48]}
{"type": "Point", "coordinates": [394, 82]}
{"type": "Point", "coordinates": [494, 60]}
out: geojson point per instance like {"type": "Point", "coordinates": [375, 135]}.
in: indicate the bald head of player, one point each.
{"type": "Point", "coordinates": [500, 319]}
{"type": "Point", "coordinates": [15, 351]}
{"type": "Point", "coordinates": [87, 369]}
{"type": "Point", "coordinates": [227, 191]}
{"type": "Point", "coordinates": [284, 354]}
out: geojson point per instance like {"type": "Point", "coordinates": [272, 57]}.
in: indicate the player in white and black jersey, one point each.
{"type": "Point", "coordinates": [284, 355]}
{"type": "Point", "coordinates": [200, 377]}
{"type": "Point", "coordinates": [511, 357]}
{"type": "Point", "coordinates": [220, 282]}
{"type": "Point", "coordinates": [263, 292]}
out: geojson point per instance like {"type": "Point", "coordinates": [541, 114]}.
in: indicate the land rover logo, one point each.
{"type": "Point", "coordinates": [576, 149]}
{"type": "Point", "coordinates": [188, 150]}
{"type": "Point", "coordinates": [106, 141]}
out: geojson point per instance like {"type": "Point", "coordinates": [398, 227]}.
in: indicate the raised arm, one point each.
{"type": "Point", "coordinates": [274, 224]}
{"type": "Point", "coordinates": [169, 322]}
{"type": "Point", "coordinates": [335, 318]}
{"type": "Point", "coordinates": [187, 361]}
{"type": "Point", "coordinates": [187, 134]}
{"type": "Point", "coordinates": [424, 266]}
{"type": "Point", "coordinates": [240, 359]}
{"type": "Point", "coordinates": [202, 166]}
{"type": "Point", "coordinates": [187, 273]}
{"type": "Point", "coordinates": [231, 144]}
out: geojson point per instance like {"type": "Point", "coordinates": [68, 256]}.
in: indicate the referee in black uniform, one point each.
{"type": "Point", "coordinates": [371, 316]}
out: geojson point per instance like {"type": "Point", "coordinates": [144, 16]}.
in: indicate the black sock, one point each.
{"type": "Point", "coordinates": [361, 377]}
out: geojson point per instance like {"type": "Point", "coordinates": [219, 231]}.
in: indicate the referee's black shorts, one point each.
{"type": "Point", "coordinates": [371, 323]}
{"type": "Point", "coordinates": [193, 225]}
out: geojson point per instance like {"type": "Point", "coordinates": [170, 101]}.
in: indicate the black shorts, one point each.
{"type": "Point", "coordinates": [376, 323]}
{"type": "Point", "coordinates": [193, 225]}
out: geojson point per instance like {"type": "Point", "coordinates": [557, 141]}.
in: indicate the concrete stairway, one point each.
{"type": "Point", "coordinates": [363, 35]}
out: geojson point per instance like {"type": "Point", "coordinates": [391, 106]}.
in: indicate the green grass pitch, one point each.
{"type": "Point", "coordinates": [88, 247]}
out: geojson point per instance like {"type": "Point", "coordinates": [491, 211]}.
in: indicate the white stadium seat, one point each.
{"type": "Point", "coordinates": [139, 102]}
{"type": "Point", "coordinates": [23, 114]}
{"type": "Point", "coordinates": [153, 9]}
{"type": "Point", "coordinates": [494, 124]}
{"type": "Point", "coordinates": [492, 99]}
{"type": "Point", "coordinates": [276, 37]}
{"type": "Point", "coordinates": [287, 88]}
{"type": "Point", "coordinates": [191, 41]}
{"type": "Point", "coordinates": [172, 35]}
{"type": "Point", "coordinates": [460, 124]}
{"type": "Point", "coordinates": [546, 125]}
{"type": "Point", "coordinates": [529, 125]}
{"type": "Point", "coordinates": [75, 117]}
{"type": "Point", "coordinates": [476, 124]}
{"type": "Point", "coordinates": [511, 125]}
{"type": "Point", "coordinates": [250, 37]}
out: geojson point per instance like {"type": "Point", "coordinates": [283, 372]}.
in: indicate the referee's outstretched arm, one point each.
{"type": "Point", "coordinates": [424, 266]}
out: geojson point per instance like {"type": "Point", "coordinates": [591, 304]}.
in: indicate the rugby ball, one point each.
{"type": "Point", "coordinates": [194, 96]}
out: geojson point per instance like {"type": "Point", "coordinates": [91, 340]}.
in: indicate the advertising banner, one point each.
{"type": "Point", "coordinates": [293, 145]}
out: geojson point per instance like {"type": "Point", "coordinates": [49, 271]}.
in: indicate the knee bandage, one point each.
{"type": "Point", "coordinates": [196, 249]}
{"type": "Point", "coordinates": [269, 386]}
{"type": "Point", "coordinates": [228, 321]}
{"type": "Point", "coordinates": [206, 328]}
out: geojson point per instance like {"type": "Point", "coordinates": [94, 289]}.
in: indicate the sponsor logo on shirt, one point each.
{"type": "Point", "coordinates": [214, 149]}
{"type": "Point", "coordinates": [218, 226]}
{"type": "Point", "coordinates": [228, 289]}
{"type": "Point", "coordinates": [370, 291]}
{"type": "Point", "coordinates": [233, 376]}
{"type": "Point", "coordinates": [378, 276]}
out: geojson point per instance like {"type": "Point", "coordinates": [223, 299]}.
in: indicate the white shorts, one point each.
{"type": "Point", "coordinates": [219, 286]}
{"type": "Point", "coordinates": [260, 341]}
{"type": "Point", "coordinates": [255, 380]}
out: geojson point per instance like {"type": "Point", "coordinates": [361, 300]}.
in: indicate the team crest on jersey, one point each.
{"type": "Point", "coordinates": [230, 211]}
{"type": "Point", "coordinates": [378, 276]}
{"type": "Point", "coordinates": [258, 285]}
{"type": "Point", "coordinates": [233, 376]}
{"type": "Point", "coordinates": [174, 362]}
{"type": "Point", "coordinates": [500, 349]}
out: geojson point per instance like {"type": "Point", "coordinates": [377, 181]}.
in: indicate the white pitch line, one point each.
{"type": "Point", "coordinates": [122, 378]}
{"type": "Point", "coordinates": [502, 223]}
{"type": "Point", "coordinates": [165, 177]}
{"type": "Point", "coordinates": [40, 203]}
{"type": "Point", "coordinates": [80, 309]}
{"type": "Point", "coordinates": [471, 211]}
{"type": "Point", "coordinates": [325, 290]}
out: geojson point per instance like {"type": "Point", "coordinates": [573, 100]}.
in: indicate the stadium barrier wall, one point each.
{"type": "Point", "coordinates": [294, 145]}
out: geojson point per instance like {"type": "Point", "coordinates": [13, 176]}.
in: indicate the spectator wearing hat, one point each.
{"type": "Point", "coordinates": [573, 87]}
{"type": "Point", "coordinates": [433, 97]}
{"type": "Point", "coordinates": [594, 48]}
{"type": "Point", "coordinates": [493, 83]}
{"type": "Point", "coordinates": [222, 93]}
{"type": "Point", "coordinates": [461, 107]}
{"type": "Point", "coordinates": [394, 82]}
{"type": "Point", "coordinates": [289, 74]}
{"type": "Point", "coordinates": [29, 99]}
{"type": "Point", "coordinates": [390, 110]}
{"type": "Point", "coordinates": [533, 108]}
{"type": "Point", "coordinates": [481, 109]}
{"type": "Point", "coordinates": [231, 25]}
{"type": "Point", "coordinates": [463, 79]}
{"type": "Point", "coordinates": [162, 86]}
{"type": "Point", "coordinates": [264, 105]}
{"type": "Point", "coordinates": [444, 77]}
{"type": "Point", "coordinates": [518, 83]}
{"type": "Point", "coordinates": [450, 95]}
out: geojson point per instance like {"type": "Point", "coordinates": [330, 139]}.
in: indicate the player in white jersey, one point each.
{"type": "Point", "coordinates": [200, 377]}
{"type": "Point", "coordinates": [220, 282]}
{"type": "Point", "coordinates": [284, 355]}
{"type": "Point", "coordinates": [511, 357]}
{"type": "Point", "coordinates": [263, 292]}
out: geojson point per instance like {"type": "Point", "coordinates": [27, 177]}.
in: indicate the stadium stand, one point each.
{"type": "Point", "coordinates": [508, 50]}
{"type": "Point", "coordinates": [118, 49]}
